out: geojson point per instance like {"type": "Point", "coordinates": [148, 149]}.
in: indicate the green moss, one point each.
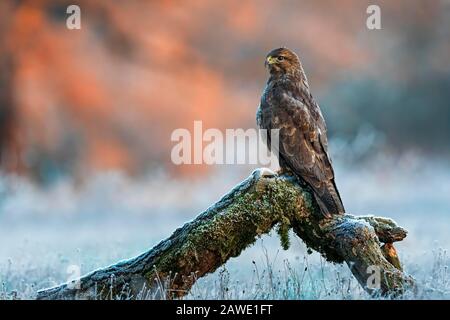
{"type": "Point", "coordinates": [226, 234]}
{"type": "Point", "coordinates": [283, 232]}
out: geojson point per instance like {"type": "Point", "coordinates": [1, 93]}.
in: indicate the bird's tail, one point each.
{"type": "Point", "coordinates": [329, 200]}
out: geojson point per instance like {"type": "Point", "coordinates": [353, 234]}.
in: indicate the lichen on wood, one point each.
{"type": "Point", "coordinates": [253, 208]}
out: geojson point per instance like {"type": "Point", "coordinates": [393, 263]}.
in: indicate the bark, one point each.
{"type": "Point", "coordinates": [229, 226]}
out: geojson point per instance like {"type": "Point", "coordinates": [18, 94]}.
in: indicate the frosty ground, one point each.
{"type": "Point", "coordinates": [45, 231]}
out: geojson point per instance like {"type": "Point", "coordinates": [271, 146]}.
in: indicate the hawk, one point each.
{"type": "Point", "coordinates": [287, 105]}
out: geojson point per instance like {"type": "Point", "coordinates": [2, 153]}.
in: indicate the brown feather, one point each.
{"type": "Point", "coordinates": [287, 105]}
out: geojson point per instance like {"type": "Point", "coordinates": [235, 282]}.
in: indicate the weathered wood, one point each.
{"type": "Point", "coordinates": [232, 224]}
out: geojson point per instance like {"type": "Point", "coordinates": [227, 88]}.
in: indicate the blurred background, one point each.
{"type": "Point", "coordinates": [86, 117]}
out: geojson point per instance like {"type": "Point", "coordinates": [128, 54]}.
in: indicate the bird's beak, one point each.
{"type": "Point", "coordinates": [270, 60]}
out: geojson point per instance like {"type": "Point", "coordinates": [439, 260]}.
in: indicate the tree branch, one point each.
{"type": "Point", "coordinates": [232, 224]}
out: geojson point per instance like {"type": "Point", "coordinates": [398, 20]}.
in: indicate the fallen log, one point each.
{"type": "Point", "coordinates": [253, 208]}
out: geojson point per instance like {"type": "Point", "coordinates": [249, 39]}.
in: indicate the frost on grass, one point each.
{"type": "Point", "coordinates": [44, 231]}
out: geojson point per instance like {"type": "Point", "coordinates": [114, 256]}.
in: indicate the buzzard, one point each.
{"type": "Point", "coordinates": [287, 105]}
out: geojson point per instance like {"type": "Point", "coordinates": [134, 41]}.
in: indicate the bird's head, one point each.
{"type": "Point", "coordinates": [284, 61]}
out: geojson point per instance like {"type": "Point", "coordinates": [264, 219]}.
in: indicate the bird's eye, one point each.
{"type": "Point", "coordinates": [280, 58]}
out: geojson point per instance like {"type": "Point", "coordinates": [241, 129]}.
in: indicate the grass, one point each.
{"type": "Point", "coordinates": [268, 277]}
{"type": "Point", "coordinates": [45, 231]}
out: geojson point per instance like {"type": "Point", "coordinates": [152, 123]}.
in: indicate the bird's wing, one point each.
{"type": "Point", "coordinates": [303, 148]}
{"type": "Point", "coordinates": [300, 140]}
{"type": "Point", "coordinates": [263, 120]}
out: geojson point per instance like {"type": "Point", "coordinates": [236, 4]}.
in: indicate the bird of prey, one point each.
{"type": "Point", "coordinates": [287, 105]}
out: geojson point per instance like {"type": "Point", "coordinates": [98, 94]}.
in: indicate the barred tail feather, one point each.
{"type": "Point", "coordinates": [329, 200]}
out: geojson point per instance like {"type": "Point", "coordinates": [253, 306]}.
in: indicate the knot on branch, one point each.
{"type": "Point", "coordinates": [386, 229]}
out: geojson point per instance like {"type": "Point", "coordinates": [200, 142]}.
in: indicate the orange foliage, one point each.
{"type": "Point", "coordinates": [109, 95]}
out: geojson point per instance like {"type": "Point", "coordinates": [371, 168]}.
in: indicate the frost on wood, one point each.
{"type": "Point", "coordinates": [225, 229]}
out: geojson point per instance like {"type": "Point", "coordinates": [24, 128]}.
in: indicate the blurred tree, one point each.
{"type": "Point", "coordinates": [109, 95]}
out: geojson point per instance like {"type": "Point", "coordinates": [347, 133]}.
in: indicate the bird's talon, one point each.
{"type": "Point", "coordinates": [266, 173]}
